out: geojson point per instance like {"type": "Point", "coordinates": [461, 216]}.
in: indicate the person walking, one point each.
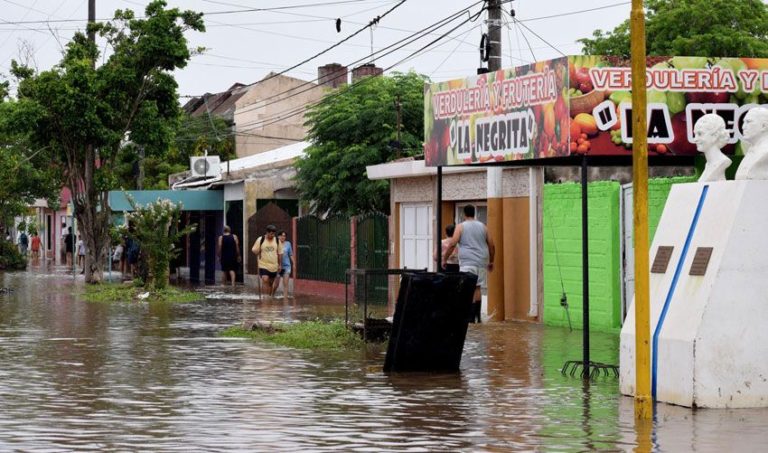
{"type": "Point", "coordinates": [23, 243]}
{"type": "Point", "coordinates": [269, 253]}
{"type": "Point", "coordinates": [35, 246]}
{"type": "Point", "coordinates": [69, 245]}
{"type": "Point", "coordinates": [476, 253]}
{"type": "Point", "coordinates": [289, 263]}
{"type": "Point", "coordinates": [81, 254]}
{"type": "Point", "coordinates": [229, 254]}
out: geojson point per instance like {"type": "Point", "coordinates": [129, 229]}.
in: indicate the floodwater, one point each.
{"type": "Point", "coordinates": [155, 377]}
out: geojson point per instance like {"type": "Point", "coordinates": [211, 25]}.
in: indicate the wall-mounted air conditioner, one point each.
{"type": "Point", "coordinates": [205, 166]}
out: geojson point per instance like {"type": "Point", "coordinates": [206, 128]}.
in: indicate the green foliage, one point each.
{"type": "Point", "coordinates": [193, 137]}
{"type": "Point", "coordinates": [115, 292]}
{"type": "Point", "coordinates": [304, 335]}
{"type": "Point", "coordinates": [26, 173]}
{"type": "Point", "coordinates": [10, 257]}
{"type": "Point", "coordinates": [353, 129]}
{"type": "Point", "coordinates": [80, 111]}
{"type": "Point", "coordinates": [156, 227]}
{"type": "Point", "coordinates": [716, 28]}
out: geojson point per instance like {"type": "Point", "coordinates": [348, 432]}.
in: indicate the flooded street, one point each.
{"type": "Point", "coordinates": [155, 377]}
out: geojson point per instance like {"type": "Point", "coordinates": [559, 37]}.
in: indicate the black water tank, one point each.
{"type": "Point", "coordinates": [430, 322]}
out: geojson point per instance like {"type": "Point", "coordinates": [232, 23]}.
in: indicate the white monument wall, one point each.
{"type": "Point", "coordinates": [713, 342]}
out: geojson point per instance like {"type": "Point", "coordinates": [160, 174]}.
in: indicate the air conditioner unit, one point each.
{"type": "Point", "coordinates": [208, 166]}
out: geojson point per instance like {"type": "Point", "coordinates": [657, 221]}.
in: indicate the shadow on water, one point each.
{"type": "Point", "coordinates": [75, 376]}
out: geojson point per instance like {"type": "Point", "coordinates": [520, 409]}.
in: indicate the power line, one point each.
{"type": "Point", "coordinates": [205, 13]}
{"type": "Point", "coordinates": [464, 36]}
{"type": "Point", "coordinates": [333, 95]}
{"type": "Point", "coordinates": [572, 13]}
{"type": "Point", "coordinates": [407, 40]}
{"type": "Point", "coordinates": [542, 39]}
{"type": "Point", "coordinates": [306, 60]}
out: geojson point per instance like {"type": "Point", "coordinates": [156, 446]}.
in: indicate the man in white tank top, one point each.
{"type": "Point", "coordinates": [476, 252]}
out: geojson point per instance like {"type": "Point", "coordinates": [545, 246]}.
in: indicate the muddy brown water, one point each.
{"type": "Point", "coordinates": [155, 377]}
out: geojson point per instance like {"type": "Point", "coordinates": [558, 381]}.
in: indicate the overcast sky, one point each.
{"type": "Point", "coordinates": [243, 46]}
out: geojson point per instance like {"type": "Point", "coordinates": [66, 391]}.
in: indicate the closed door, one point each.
{"type": "Point", "coordinates": [628, 252]}
{"type": "Point", "coordinates": [417, 238]}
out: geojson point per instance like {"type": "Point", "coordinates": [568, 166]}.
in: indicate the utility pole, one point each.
{"type": "Point", "coordinates": [643, 397]}
{"type": "Point", "coordinates": [399, 109]}
{"type": "Point", "coordinates": [494, 178]}
{"type": "Point", "coordinates": [91, 18]}
{"type": "Point", "coordinates": [494, 35]}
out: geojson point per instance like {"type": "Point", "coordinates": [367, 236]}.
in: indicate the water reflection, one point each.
{"type": "Point", "coordinates": [75, 375]}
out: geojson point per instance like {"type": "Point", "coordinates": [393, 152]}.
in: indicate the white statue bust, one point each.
{"type": "Point", "coordinates": [710, 136]}
{"type": "Point", "coordinates": [755, 145]}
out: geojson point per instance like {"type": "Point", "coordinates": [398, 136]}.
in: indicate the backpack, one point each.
{"type": "Point", "coordinates": [23, 239]}
{"type": "Point", "coordinates": [260, 240]}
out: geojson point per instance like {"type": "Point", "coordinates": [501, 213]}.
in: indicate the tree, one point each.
{"type": "Point", "coordinates": [193, 137]}
{"type": "Point", "coordinates": [716, 28]}
{"type": "Point", "coordinates": [85, 111]}
{"type": "Point", "coordinates": [24, 172]}
{"type": "Point", "coordinates": [355, 127]}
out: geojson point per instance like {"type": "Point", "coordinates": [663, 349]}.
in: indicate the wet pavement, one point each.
{"type": "Point", "coordinates": [155, 377]}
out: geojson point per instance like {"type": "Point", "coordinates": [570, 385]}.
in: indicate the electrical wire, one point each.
{"type": "Point", "coordinates": [525, 38]}
{"type": "Point", "coordinates": [204, 13]}
{"type": "Point", "coordinates": [464, 36]}
{"type": "Point", "coordinates": [407, 40]}
{"type": "Point", "coordinates": [542, 39]}
{"type": "Point", "coordinates": [572, 13]}
{"type": "Point", "coordinates": [333, 95]}
{"type": "Point", "coordinates": [307, 60]}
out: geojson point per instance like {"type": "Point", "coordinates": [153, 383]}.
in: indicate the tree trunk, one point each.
{"type": "Point", "coordinates": [94, 216]}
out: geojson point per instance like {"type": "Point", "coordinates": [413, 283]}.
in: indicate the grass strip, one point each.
{"type": "Point", "coordinates": [116, 292]}
{"type": "Point", "coordinates": [303, 335]}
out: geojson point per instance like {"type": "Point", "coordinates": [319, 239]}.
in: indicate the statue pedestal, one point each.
{"type": "Point", "coordinates": [709, 330]}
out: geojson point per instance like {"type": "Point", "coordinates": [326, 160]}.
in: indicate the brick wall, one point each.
{"type": "Point", "coordinates": [562, 254]}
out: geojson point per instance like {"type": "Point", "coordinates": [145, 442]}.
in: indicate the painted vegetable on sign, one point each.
{"type": "Point", "coordinates": [583, 105]}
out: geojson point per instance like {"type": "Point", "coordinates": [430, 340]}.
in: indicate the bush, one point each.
{"type": "Point", "coordinates": [155, 228]}
{"type": "Point", "coordinates": [10, 257]}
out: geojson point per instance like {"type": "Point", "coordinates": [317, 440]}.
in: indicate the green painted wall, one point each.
{"type": "Point", "coordinates": [562, 254]}
{"type": "Point", "coordinates": [562, 249]}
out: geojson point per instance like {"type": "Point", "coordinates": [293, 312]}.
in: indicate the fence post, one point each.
{"type": "Point", "coordinates": [353, 242]}
{"type": "Point", "coordinates": [294, 236]}
{"type": "Point", "coordinates": [353, 253]}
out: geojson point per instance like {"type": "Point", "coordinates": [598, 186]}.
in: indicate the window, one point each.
{"type": "Point", "coordinates": [481, 211]}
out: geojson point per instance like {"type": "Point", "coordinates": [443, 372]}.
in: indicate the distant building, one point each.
{"type": "Point", "coordinates": [270, 113]}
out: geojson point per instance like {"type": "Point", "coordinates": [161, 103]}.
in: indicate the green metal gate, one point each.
{"type": "Point", "coordinates": [322, 248]}
{"type": "Point", "coordinates": [372, 231]}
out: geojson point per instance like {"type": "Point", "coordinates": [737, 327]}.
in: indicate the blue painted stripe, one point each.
{"type": "Point", "coordinates": [673, 286]}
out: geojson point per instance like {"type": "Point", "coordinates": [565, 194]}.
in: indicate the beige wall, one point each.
{"type": "Point", "coordinates": [256, 108]}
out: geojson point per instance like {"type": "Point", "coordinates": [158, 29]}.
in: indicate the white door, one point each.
{"type": "Point", "coordinates": [628, 250]}
{"type": "Point", "coordinates": [417, 238]}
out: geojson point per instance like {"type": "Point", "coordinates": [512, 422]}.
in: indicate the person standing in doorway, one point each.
{"type": "Point", "coordinates": [269, 253]}
{"type": "Point", "coordinates": [476, 253]}
{"type": "Point", "coordinates": [452, 263]}
{"type": "Point", "coordinates": [229, 254]}
{"type": "Point", "coordinates": [289, 263]}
